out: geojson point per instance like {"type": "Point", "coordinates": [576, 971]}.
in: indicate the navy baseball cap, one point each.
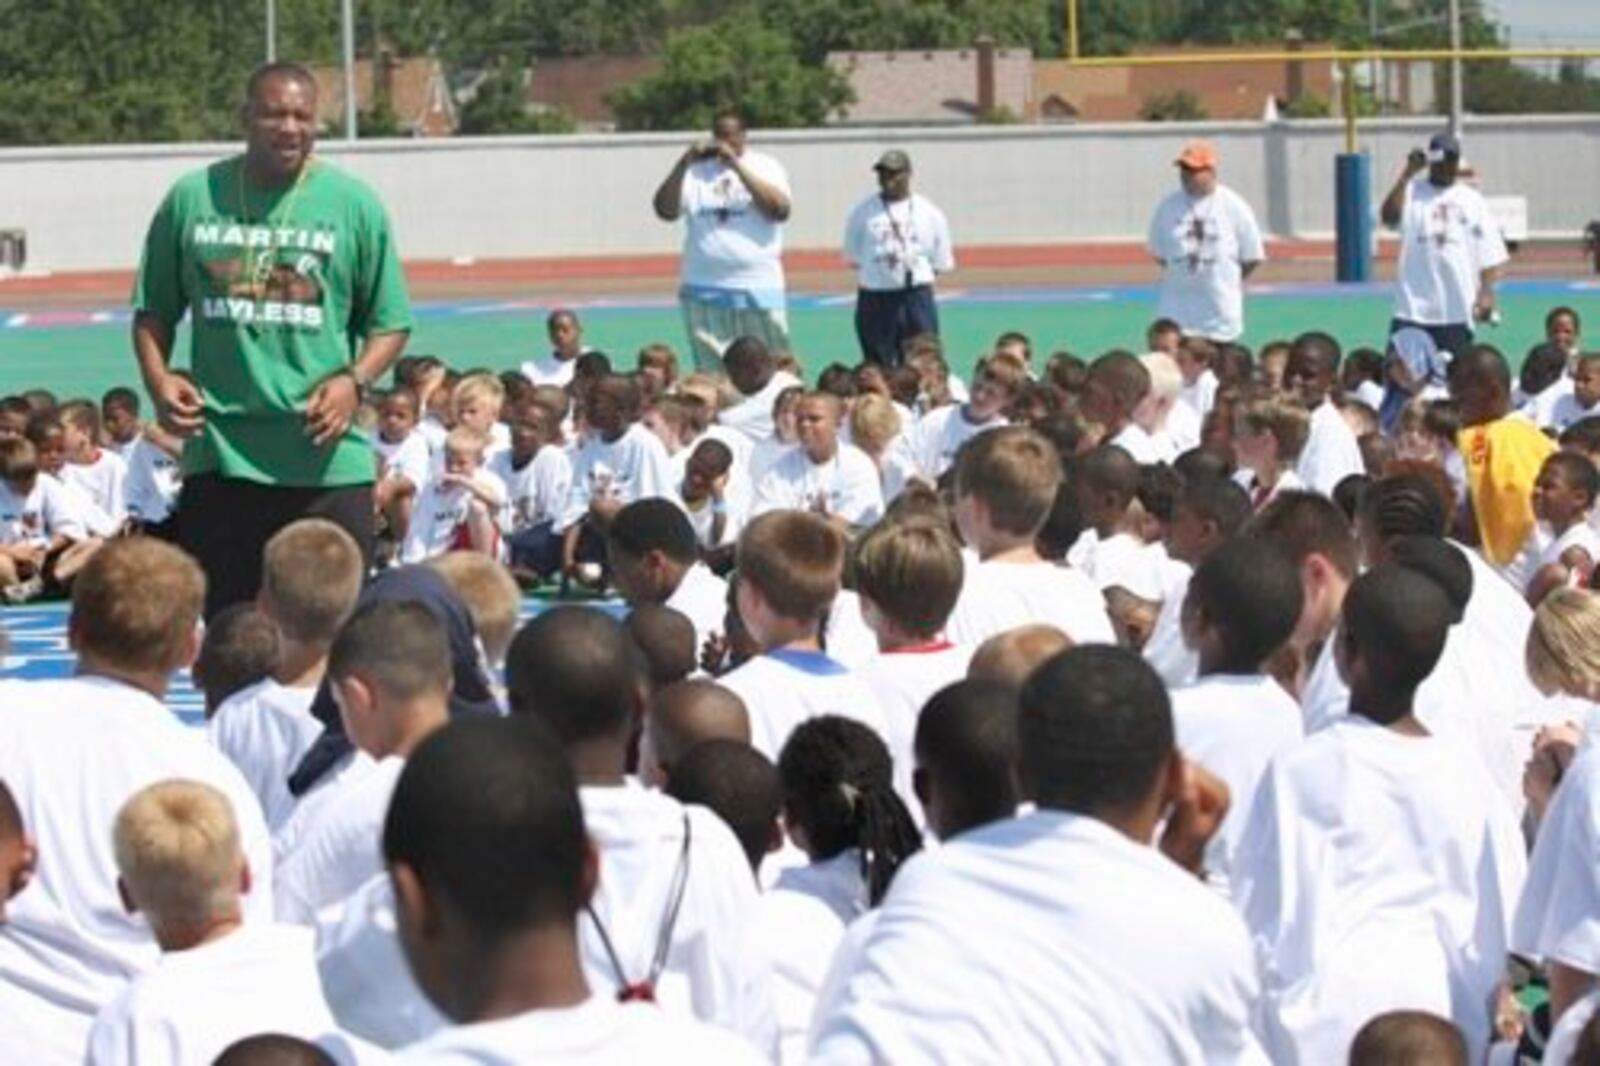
{"type": "Point", "coordinates": [1443, 146]}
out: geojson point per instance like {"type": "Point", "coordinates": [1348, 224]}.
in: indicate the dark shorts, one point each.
{"type": "Point", "coordinates": [226, 522]}
{"type": "Point", "coordinates": [886, 318]}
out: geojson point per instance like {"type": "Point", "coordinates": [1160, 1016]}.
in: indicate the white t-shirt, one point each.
{"type": "Point", "coordinates": [264, 730]}
{"type": "Point", "coordinates": [940, 433]}
{"type": "Point", "coordinates": [846, 486]}
{"type": "Point", "coordinates": [1562, 411]}
{"type": "Point", "coordinates": [635, 466]}
{"type": "Point", "coordinates": [1558, 916]}
{"type": "Point", "coordinates": [1145, 448]}
{"type": "Point", "coordinates": [846, 636]}
{"type": "Point", "coordinates": [75, 751]}
{"type": "Point", "coordinates": [41, 516]}
{"type": "Point", "coordinates": [896, 244]}
{"type": "Point", "coordinates": [550, 369]}
{"type": "Point", "coordinates": [752, 415]}
{"type": "Point", "coordinates": [712, 971]}
{"type": "Point", "coordinates": [104, 481]}
{"type": "Point", "coordinates": [408, 458]}
{"type": "Point", "coordinates": [1447, 239]}
{"type": "Point", "coordinates": [1377, 872]}
{"type": "Point", "coordinates": [598, 1032]}
{"type": "Point", "coordinates": [728, 243]}
{"type": "Point", "coordinates": [702, 598]}
{"type": "Point", "coordinates": [1234, 726]}
{"type": "Point", "coordinates": [799, 933]}
{"type": "Point", "coordinates": [329, 847]}
{"type": "Point", "coordinates": [1331, 453]}
{"type": "Point", "coordinates": [1202, 395]}
{"type": "Point", "coordinates": [997, 596]}
{"type": "Point", "coordinates": [903, 681]}
{"type": "Point", "coordinates": [783, 688]}
{"type": "Point", "coordinates": [538, 492]}
{"type": "Point", "coordinates": [154, 479]}
{"type": "Point", "coordinates": [1202, 244]}
{"type": "Point", "coordinates": [365, 977]}
{"type": "Point", "coordinates": [193, 1004]}
{"type": "Point", "coordinates": [1122, 559]}
{"type": "Point", "coordinates": [1046, 939]}
{"type": "Point", "coordinates": [837, 883]}
{"type": "Point", "coordinates": [440, 515]}
{"type": "Point", "coordinates": [1165, 649]}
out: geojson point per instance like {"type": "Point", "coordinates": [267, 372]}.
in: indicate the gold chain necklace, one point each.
{"type": "Point", "coordinates": [257, 267]}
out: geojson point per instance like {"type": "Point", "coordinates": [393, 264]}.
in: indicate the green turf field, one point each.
{"type": "Point", "coordinates": [73, 354]}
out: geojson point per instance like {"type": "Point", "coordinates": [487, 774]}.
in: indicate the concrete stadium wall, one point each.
{"type": "Point", "coordinates": [521, 197]}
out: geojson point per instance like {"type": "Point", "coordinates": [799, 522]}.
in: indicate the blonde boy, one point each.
{"type": "Point", "coordinates": [311, 573]}
{"type": "Point", "coordinates": [1006, 484]}
{"type": "Point", "coordinates": [790, 564]}
{"type": "Point", "coordinates": [475, 404]}
{"type": "Point", "coordinates": [463, 508]}
{"type": "Point", "coordinates": [180, 865]}
{"type": "Point", "coordinates": [491, 596]}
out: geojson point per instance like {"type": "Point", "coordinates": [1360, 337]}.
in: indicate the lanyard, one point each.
{"type": "Point", "coordinates": [904, 237]}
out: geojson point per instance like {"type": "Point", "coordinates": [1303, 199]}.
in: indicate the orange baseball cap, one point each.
{"type": "Point", "coordinates": [1198, 155]}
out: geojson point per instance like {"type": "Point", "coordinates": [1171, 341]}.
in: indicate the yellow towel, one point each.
{"type": "Point", "coordinates": [1503, 460]}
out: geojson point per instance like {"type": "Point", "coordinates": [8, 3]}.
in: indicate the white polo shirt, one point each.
{"type": "Point", "coordinates": [895, 244]}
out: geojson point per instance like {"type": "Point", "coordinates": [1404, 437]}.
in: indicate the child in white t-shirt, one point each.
{"type": "Point", "coordinates": [715, 518]}
{"type": "Point", "coordinates": [1194, 356]}
{"type": "Point", "coordinates": [1112, 552]}
{"type": "Point", "coordinates": [476, 404]}
{"type": "Point", "coordinates": [1268, 436]}
{"type": "Point", "coordinates": [941, 432]}
{"type": "Point", "coordinates": [119, 419]}
{"type": "Point", "coordinates": [1565, 544]}
{"type": "Point", "coordinates": [790, 564]}
{"type": "Point", "coordinates": [98, 472]}
{"type": "Point", "coordinates": [487, 827]}
{"type": "Point", "coordinates": [40, 532]}
{"type": "Point", "coordinates": [566, 344]}
{"type": "Point", "coordinates": [537, 473]}
{"type": "Point", "coordinates": [404, 464]}
{"type": "Point", "coordinates": [1242, 605]}
{"type": "Point", "coordinates": [1582, 402]}
{"type": "Point", "coordinates": [824, 474]}
{"type": "Point", "coordinates": [462, 508]}
{"type": "Point", "coordinates": [1006, 486]}
{"type": "Point", "coordinates": [311, 573]}
{"type": "Point", "coordinates": [909, 575]}
{"type": "Point", "coordinates": [219, 979]}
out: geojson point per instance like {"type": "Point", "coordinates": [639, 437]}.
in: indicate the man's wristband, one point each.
{"type": "Point", "coordinates": [362, 380]}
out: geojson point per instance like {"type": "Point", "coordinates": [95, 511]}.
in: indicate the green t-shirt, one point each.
{"type": "Point", "coordinates": [282, 286]}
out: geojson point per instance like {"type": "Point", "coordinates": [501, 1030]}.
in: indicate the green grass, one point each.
{"type": "Point", "coordinates": [86, 360]}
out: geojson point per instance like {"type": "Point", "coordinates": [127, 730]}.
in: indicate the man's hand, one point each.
{"type": "Point", "coordinates": [1483, 306]}
{"type": "Point", "coordinates": [1197, 813]}
{"type": "Point", "coordinates": [331, 407]}
{"type": "Point", "coordinates": [1416, 162]}
{"type": "Point", "coordinates": [179, 406]}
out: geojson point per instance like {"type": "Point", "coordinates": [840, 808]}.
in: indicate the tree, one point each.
{"type": "Point", "coordinates": [822, 26]}
{"type": "Point", "coordinates": [499, 105]}
{"type": "Point", "coordinates": [735, 62]}
{"type": "Point", "coordinates": [1179, 105]}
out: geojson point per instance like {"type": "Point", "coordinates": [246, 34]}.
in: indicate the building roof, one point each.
{"type": "Point", "coordinates": [937, 86]}
{"type": "Point", "coordinates": [419, 95]}
{"type": "Point", "coordinates": [579, 84]}
{"type": "Point", "coordinates": [1224, 90]}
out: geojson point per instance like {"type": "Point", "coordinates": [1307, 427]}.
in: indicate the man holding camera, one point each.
{"type": "Point", "coordinates": [733, 202]}
{"type": "Point", "coordinates": [1206, 239]}
{"type": "Point", "coordinates": [898, 242]}
{"type": "Point", "coordinates": [1450, 248]}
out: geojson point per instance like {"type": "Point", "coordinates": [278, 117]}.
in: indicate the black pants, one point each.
{"type": "Point", "coordinates": [226, 522]}
{"type": "Point", "coordinates": [886, 317]}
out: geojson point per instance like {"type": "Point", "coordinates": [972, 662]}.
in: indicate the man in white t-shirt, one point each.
{"type": "Point", "coordinates": [74, 752]}
{"type": "Point", "coordinates": [1206, 239]}
{"type": "Point", "coordinates": [493, 872]}
{"type": "Point", "coordinates": [1451, 250]}
{"type": "Point", "coordinates": [897, 241]}
{"type": "Point", "coordinates": [734, 202]}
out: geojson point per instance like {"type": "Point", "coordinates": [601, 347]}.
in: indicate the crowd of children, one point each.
{"type": "Point", "coordinates": [1197, 706]}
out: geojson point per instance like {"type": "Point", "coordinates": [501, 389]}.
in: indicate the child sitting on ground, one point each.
{"type": "Point", "coordinates": [180, 865]}
{"type": "Point", "coordinates": [403, 462]}
{"type": "Point", "coordinates": [476, 404]}
{"type": "Point", "coordinates": [716, 520]}
{"type": "Point", "coordinates": [461, 509]}
{"type": "Point", "coordinates": [941, 432]}
{"type": "Point", "coordinates": [537, 473]}
{"type": "Point", "coordinates": [99, 473]}
{"type": "Point", "coordinates": [43, 542]}
{"type": "Point", "coordinates": [1269, 434]}
{"type": "Point", "coordinates": [1565, 544]}
{"type": "Point", "coordinates": [1112, 551]}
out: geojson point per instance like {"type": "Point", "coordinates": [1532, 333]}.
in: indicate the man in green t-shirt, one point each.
{"type": "Point", "coordinates": [285, 265]}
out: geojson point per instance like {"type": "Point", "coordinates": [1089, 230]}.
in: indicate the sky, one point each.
{"type": "Point", "coordinates": [1550, 23]}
